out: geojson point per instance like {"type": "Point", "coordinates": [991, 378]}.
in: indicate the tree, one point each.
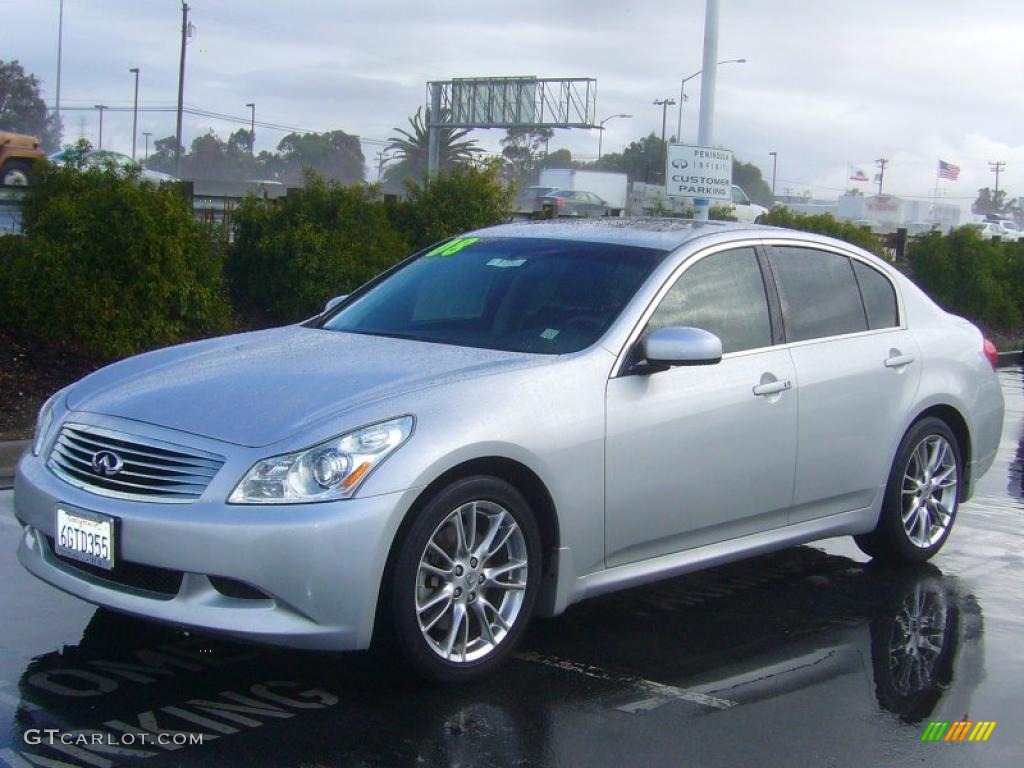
{"type": "Point", "coordinates": [748, 176]}
{"type": "Point", "coordinates": [521, 150]}
{"type": "Point", "coordinates": [411, 149]}
{"type": "Point", "coordinates": [560, 158]}
{"type": "Point", "coordinates": [335, 155]}
{"type": "Point", "coordinates": [22, 109]}
{"type": "Point", "coordinates": [642, 160]}
{"type": "Point", "coordinates": [989, 201]}
{"type": "Point", "coordinates": [162, 157]}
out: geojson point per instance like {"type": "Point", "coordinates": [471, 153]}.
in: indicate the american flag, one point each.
{"type": "Point", "coordinates": [948, 171]}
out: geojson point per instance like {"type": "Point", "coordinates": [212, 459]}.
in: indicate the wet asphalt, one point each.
{"type": "Point", "coordinates": [808, 657]}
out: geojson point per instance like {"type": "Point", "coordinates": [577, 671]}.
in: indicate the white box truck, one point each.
{"type": "Point", "coordinates": [610, 187]}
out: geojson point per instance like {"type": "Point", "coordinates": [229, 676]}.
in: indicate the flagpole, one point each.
{"type": "Point", "coordinates": [937, 167]}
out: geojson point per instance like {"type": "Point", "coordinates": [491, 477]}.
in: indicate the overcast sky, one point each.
{"type": "Point", "coordinates": [827, 84]}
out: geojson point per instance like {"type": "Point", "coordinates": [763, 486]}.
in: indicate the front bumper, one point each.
{"type": "Point", "coordinates": [319, 566]}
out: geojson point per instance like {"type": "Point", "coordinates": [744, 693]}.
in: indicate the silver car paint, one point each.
{"type": "Point", "coordinates": [323, 563]}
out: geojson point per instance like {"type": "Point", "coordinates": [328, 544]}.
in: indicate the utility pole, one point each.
{"type": "Point", "coordinates": [60, 47]}
{"type": "Point", "coordinates": [147, 134]}
{"type": "Point", "coordinates": [181, 87]}
{"type": "Point", "coordinates": [135, 110]}
{"type": "Point", "coordinates": [775, 160]}
{"type": "Point", "coordinates": [997, 167]}
{"type": "Point", "coordinates": [252, 127]}
{"type": "Point", "coordinates": [664, 104]}
{"type": "Point", "coordinates": [881, 163]}
{"type": "Point", "coordinates": [100, 107]}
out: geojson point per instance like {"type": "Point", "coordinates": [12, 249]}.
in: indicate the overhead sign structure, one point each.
{"type": "Point", "coordinates": [512, 102]}
{"type": "Point", "coordinates": [699, 172]}
{"type": "Point", "coordinates": [508, 102]}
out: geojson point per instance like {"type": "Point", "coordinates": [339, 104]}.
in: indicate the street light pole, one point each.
{"type": "Point", "coordinates": [664, 104]}
{"type": "Point", "coordinates": [100, 107]}
{"type": "Point", "coordinates": [600, 135]}
{"type": "Point", "coordinates": [135, 110]}
{"type": "Point", "coordinates": [252, 128]}
{"type": "Point", "coordinates": [682, 94]}
{"type": "Point", "coordinates": [147, 134]}
{"type": "Point", "coordinates": [775, 159]}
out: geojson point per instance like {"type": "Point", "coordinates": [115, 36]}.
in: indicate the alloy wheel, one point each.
{"type": "Point", "coordinates": [929, 491]}
{"type": "Point", "coordinates": [471, 581]}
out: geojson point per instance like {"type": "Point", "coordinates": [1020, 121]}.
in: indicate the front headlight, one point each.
{"type": "Point", "coordinates": [44, 421]}
{"type": "Point", "coordinates": [328, 471]}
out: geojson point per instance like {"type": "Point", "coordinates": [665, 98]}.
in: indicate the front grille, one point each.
{"type": "Point", "coordinates": [161, 582]}
{"type": "Point", "coordinates": [151, 470]}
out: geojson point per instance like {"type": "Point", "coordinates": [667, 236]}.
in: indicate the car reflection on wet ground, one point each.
{"type": "Point", "coordinates": [812, 655]}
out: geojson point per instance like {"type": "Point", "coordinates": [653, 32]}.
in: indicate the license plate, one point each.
{"type": "Point", "coordinates": [85, 536]}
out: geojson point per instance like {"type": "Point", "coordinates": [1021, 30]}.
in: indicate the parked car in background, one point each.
{"type": "Point", "coordinates": [988, 230]}
{"type": "Point", "coordinates": [531, 200]}
{"type": "Point", "coordinates": [745, 210]}
{"type": "Point", "coordinates": [1011, 233]}
{"type": "Point", "coordinates": [609, 186]}
{"type": "Point", "coordinates": [577, 203]}
{"type": "Point", "coordinates": [18, 152]}
{"type": "Point", "coordinates": [98, 158]}
{"type": "Point", "coordinates": [508, 423]}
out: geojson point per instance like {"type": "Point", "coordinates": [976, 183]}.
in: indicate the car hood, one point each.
{"type": "Point", "coordinates": [258, 388]}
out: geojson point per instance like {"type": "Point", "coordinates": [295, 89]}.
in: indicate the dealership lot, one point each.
{"type": "Point", "coordinates": [811, 654]}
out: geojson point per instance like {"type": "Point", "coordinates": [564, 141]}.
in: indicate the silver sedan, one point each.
{"type": "Point", "coordinates": [507, 423]}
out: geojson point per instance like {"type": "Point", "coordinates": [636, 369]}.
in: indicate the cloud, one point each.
{"type": "Point", "coordinates": [825, 84]}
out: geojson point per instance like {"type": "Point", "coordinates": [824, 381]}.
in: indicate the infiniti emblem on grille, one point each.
{"type": "Point", "coordinates": [107, 463]}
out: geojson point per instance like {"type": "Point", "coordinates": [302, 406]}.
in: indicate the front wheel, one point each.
{"type": "Point", "coordinates": [921, 497]}
{"type": "Point", "coordinates": [466, 579]}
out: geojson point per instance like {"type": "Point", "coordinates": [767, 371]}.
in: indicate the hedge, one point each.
{"type": "Point", "coordinates": [110, 266]}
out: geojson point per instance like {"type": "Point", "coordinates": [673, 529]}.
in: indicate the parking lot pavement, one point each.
{"type": "Point", "coordinates": [808, 656]}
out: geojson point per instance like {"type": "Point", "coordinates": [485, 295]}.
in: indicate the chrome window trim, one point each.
{"type": "Point", "coordinates": [762, 242]}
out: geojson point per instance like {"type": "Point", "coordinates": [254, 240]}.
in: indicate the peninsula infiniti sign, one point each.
{"type": "Point", "coordinates": [106, 463]}
{"type": "Point", "coordinates": [699, 172]}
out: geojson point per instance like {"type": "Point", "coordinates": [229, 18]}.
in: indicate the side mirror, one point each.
{"type": "Point", "coordinates": [667, 347]}
{"type": "Point", "coordinates": [332, 303]}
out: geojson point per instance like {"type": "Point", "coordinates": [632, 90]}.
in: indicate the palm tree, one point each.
{"type": "Point", "coordinates": [412, 148]}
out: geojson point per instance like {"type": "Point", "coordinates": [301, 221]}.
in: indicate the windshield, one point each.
{"type": "Point", "coordinates": [515, 294]}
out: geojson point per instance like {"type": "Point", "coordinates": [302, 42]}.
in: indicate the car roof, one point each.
{"type": "Point", "coordinates": [663, 233]}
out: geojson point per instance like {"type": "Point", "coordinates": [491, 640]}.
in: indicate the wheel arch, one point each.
{"type": "Point", "coordinates": [523, 479]}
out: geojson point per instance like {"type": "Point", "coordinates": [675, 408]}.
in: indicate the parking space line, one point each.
{"type": "Point", "coordinates": [656, 693]}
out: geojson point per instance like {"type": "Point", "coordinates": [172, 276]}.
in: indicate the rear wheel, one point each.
{"type": "Point", "coordinates": [921, 497]}
{"type": "Point", "coordinates": [466, 579]}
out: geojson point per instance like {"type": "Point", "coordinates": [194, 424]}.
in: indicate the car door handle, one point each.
{"type": "Point", "coordinates": [898, 361]}
{"type": "Point", "coordinates": [773, 387]}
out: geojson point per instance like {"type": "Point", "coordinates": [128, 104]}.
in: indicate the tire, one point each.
{"type": "Point", "coordinates": [16, 173]}
{"type": "Point", "coordinates": [454, 617]}
{"type": "Point", "coordinates": [929, 458]}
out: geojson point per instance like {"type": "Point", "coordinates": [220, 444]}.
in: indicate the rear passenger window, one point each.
{"type": "Point", "coordinates": [722, 293]}
{"type": "Point", "coordinates": [818, 292]}
{"type": "Point", "coordinates": [879, 297]}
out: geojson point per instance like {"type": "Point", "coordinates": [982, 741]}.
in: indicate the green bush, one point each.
{"type": "Point", "coordinates": [463, 198]}
{"type": "Point", "coordinates": [291, 255]}
{"type": "Point", "coordinates": [824, 224]}
{"type": "Point", "coordinates": [110, 266]}
{"type": "Point", "coordinates": [976, 278]}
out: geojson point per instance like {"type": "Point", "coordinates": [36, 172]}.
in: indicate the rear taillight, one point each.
{"type": "Point", "coordinates": [991, 353]}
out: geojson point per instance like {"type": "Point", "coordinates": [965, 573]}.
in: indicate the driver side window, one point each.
{"type": "Point", "coordinates": [722, 293]}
